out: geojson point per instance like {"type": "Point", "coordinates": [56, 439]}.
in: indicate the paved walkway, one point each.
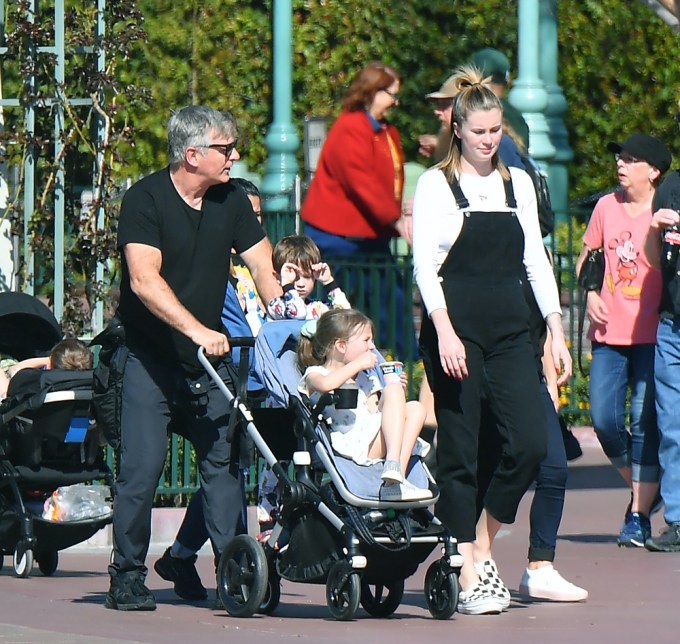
{"type": "Point", "coordinates": [634, 594]}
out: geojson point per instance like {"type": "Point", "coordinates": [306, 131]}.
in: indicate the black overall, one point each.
{"type": "Point", "coordinates": [482, 284]}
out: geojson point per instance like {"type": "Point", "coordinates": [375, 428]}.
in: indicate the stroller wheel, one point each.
{"type": "Point", "coordinates": [272, 595]}
{"type": "Point", "coordinates": [441, 590]}
{"type": "Point", "coordinates": [242, 576]}
{"type": "Point", "coordinates": [342, 591]}
{"type": "Point", "coordinates": [381, 600]}
{"type": "Point", "coordinates": [48, 562]}
{"type": "Point", "coordinates": [23, 562]}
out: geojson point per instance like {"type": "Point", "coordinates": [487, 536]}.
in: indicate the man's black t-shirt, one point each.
{"type": "Point", "coordinates": [667, 195]}
{"type": "Point", "coordinates": [195, 245]}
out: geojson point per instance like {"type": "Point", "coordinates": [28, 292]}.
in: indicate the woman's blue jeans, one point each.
{"type": "Point", "coordinates": [614, 371]}
{"type": "Point", "coordinates": [668, 406]}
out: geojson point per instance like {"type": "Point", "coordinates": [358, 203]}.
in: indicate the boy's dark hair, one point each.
{"type": "Point", "coordinates": [296, 249]}
{"type": "Point", "coordinates": [71, 354]}
{"type": "Point", "coordinates": [248, 186]}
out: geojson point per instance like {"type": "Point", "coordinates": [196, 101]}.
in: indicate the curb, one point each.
{"type": "Point", "coordinates": [165, 522]}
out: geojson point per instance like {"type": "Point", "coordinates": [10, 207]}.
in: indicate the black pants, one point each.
{"type": "Point", "coordinates": [551, 482]}
{"type": "Point", "coordinates": [154, 394]}
{"type": "Point", "coordinates": [500, 359]}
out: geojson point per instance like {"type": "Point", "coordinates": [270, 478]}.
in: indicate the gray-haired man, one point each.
{"type": "Point", "coordinates": [176, 229]}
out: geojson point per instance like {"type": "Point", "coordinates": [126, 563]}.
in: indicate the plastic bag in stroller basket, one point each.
{"type": "Point", "coordinates": [78, 502]}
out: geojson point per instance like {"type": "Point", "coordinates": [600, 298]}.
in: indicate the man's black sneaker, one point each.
{"type": "Point", "coordinates": [183, 573]}
{"type": "Point", "coordinates": [667, 541]}
{"type": "Point", "coordinates": [128, 592]}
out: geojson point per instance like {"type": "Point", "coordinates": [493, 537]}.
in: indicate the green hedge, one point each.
{"type": "Point", "coordinates": [614, 66]}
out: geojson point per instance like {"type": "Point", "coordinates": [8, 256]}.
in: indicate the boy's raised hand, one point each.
{"type": "Point", "coordinates": [322, 272]}
{"type": "Point", "coordinates": [289, 273]}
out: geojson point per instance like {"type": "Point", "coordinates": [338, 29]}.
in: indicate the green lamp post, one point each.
{"type": "Point", "coordinates": [558, 176]}
{"type": "Point", "coordinates": [282, 140]}
{"type": "Point", "coordinates": [528, 93]}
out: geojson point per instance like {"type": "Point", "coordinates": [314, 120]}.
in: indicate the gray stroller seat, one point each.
{"type": "Point", "coordinates": [275, 363]}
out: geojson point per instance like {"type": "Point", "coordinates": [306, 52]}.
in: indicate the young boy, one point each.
{"type": "Point", "coordinates": [67, 354]}
{"type": "Point", "coordinates": [297, 263]}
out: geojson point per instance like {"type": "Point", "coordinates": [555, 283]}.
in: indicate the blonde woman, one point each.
{"type": "Point", "coordinates": [475, 229]}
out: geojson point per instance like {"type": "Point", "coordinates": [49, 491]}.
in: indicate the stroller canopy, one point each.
{"type": "Point", "coordinates": [27, 327]}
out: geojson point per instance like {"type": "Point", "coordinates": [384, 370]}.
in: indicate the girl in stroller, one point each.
{"type": "Point", "coordinates": [338, 350]}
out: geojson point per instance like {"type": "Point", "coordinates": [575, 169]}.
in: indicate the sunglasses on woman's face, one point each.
{"type": "Point", "coordinates": [441, 104]}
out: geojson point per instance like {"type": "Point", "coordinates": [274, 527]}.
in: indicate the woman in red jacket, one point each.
{"type": "Point", "coordinates": [353, 205]}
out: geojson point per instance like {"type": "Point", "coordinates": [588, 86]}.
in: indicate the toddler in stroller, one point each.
{"type": "Point", "coordinates": [47, 441]}
{"type": "Point", "coordinates": [333, 526]}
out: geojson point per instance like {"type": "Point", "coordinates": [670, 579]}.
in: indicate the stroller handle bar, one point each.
{"type": "Point", "coordinates": [251, 430]}
{"type": "Point", "coordinates": [203, 359]}
{"type": "Point", "coordinates": [242, 341]}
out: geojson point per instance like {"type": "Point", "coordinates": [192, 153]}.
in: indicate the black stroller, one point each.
{"type": "Point", "coordinates": [331, 528]}
{"type": "Point", "coordinates": [47, 441]}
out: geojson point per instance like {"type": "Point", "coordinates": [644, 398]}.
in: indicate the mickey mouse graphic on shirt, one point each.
{"type": "Point", "coordinates": [626, 268]}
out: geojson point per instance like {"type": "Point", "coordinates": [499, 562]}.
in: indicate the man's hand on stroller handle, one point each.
{"type": "Point", "coordinates": [214, 342]}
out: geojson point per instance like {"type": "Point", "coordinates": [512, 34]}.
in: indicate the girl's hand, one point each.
{"type": "Point", "coordinates": [403, 379]}
{"type": "Point", "coordinates": [365, 361]}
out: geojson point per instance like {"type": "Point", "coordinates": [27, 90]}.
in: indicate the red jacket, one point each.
{"type": "Point", "coordinates": [353, 191]}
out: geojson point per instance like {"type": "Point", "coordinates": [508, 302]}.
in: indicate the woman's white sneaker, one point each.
{"type": "Point", "coordinates": [547, 583]}
{"type": "Point", "coordinates": [478, 601]}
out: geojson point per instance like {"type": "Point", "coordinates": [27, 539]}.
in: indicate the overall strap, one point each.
{"type": "Point", "coordinates": [463, 203]}
{"type": "Point", "coordinates": [510, 200]}
{"type": "Point", "coordinates": [461, 199]}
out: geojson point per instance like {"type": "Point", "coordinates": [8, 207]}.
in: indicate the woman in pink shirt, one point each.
{"type": "Point", "coordinates": [623, 322]}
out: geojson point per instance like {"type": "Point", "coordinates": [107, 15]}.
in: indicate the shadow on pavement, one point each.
{"type": "Point", "coordinates": [594, 477]}
{"type": "Point", "coordinates": [588, 538]}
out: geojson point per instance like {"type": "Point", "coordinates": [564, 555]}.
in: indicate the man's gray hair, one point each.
{"type": "Point", "coordinates": [197, 126]}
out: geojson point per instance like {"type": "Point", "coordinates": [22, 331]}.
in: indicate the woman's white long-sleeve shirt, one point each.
{"type": "Point", "coordinates": [437, 222]}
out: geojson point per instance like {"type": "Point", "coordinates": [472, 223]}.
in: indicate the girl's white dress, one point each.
{"type": "Point", "coordinates": [353, 430]}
